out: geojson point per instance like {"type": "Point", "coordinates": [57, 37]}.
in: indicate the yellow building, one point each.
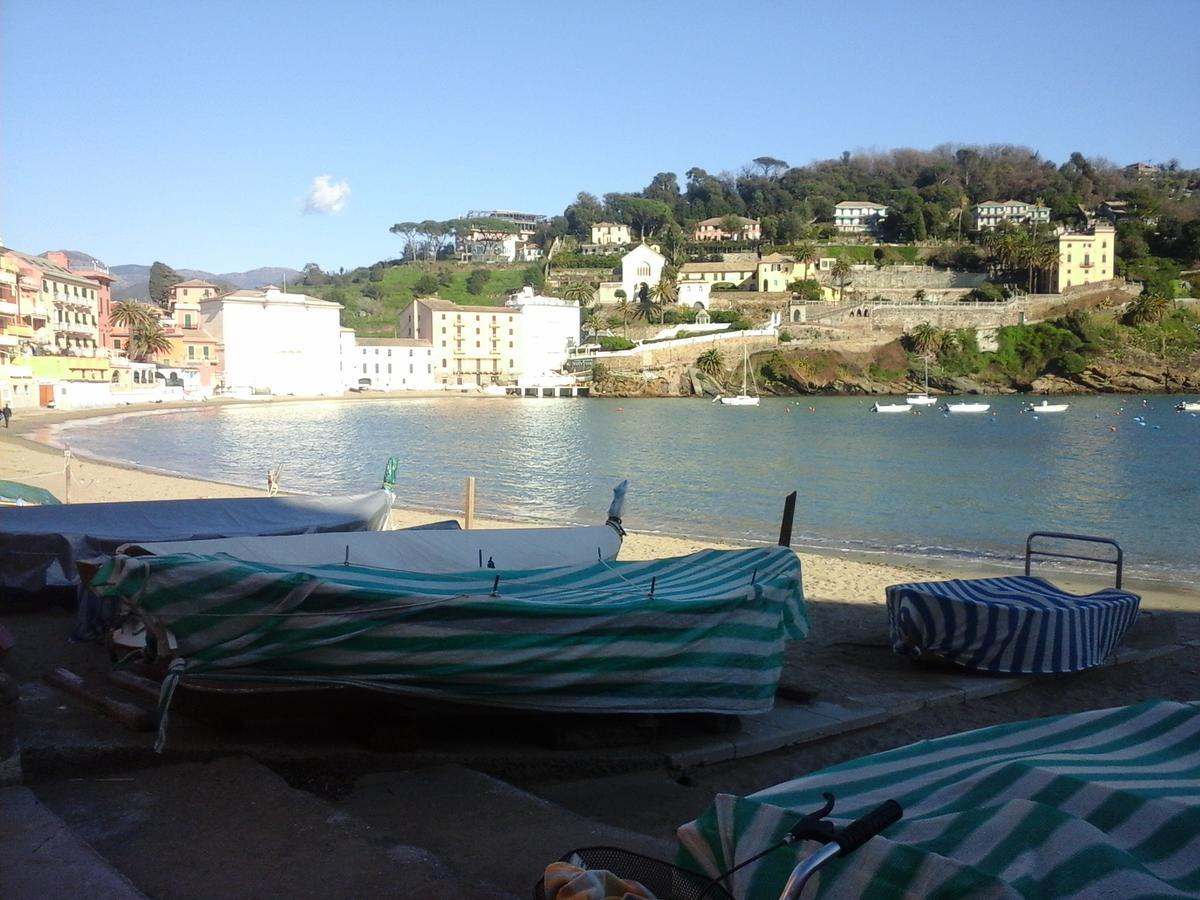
{"type": "Point", "coordinates": [610, 233]}
{"type": "Point", "coordinates": [472, 345]}
{"type": "Point", "coordinates": [1085, 257]}
{"type": "Point", "coordinates": [735, 273]}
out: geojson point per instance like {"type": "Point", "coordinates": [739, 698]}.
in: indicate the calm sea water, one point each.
{"type": "Point", "coordinates": [929, 486]}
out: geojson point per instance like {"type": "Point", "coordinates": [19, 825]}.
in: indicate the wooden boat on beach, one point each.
{"type": "Point", "coordinates": [539, 639]}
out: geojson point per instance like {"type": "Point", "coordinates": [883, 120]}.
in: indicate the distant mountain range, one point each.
{"type": "Point", "coordinates": [133, 281]}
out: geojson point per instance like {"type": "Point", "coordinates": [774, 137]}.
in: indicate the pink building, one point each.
{"type": "Point", "coordinates": [714, 230]}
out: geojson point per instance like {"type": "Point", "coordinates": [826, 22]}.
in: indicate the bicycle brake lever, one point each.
{"type": "Point", "coordinates": [813, 827]}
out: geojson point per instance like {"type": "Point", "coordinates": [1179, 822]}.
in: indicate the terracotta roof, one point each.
{"type": "Point", "coordinates": [393, 342]}
{"type": "Point", "coordinates": [716, 220]}
{"type": "Point", "coordinates": [717, 267]}
{"type": "Point", "coordinates": [439, 304]}
{"type": "Point", "coordinates": [867, 204]}
{"type": "Point", "coordinates": [777, 258]}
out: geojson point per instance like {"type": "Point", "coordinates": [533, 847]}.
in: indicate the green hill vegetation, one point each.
{"type": "Point", "coordinates": [375, 296]}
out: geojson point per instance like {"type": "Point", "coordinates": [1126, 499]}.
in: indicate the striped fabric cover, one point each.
{"type": "Point", "coordinates": [1096, 804]}
{"type": "Point", "coordinates": [1014, 625]}
{"type": "Point", "coordinates": [580, 639]}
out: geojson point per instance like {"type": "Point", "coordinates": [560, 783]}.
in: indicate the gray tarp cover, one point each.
{"type": "Point", "coordinates": [39, 545]}
{"type": "Point", "coordinates": [415, 551]}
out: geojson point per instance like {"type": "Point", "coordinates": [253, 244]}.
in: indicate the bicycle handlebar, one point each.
{"type": "Point", "coordinates": [862, 830]}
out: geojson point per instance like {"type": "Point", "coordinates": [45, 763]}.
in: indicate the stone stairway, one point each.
{"type": "Point", "coordinates": [233, 828]}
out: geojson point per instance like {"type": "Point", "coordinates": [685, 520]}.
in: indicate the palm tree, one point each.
{"type": "Point", "coordinates": [919, 295]}
{"type": "Point", "coordinates": [148, 340]}
{"type": "Point", "coordinates": [1146, 310]}
{"type": "Point", "coordinates": [593, 324]}
{"type": "Point", "coordinates": [806, 253]}
{"type": "Point", "coordinates": [580, 291]}
{"type": "Point", "coordinates": [647, 306]}
{"type": "Point", "coordinates": [925, 339]}
{"type": "Point", "coordinates": [711, 362]}
{"type": "Point", "coordinates": [139, 320]}
{"type": "Point", "coordinates": [1046, 257]}
{"type": "Point", "coordinates": [841, 271]}
{"type": "Point", "coordinates": [666, 292]}
{"type": "Point", "coordinates": [624, 310]}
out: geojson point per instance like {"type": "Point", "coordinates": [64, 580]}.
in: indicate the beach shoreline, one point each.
{"type": "Point", "coordinates": [29, 453]}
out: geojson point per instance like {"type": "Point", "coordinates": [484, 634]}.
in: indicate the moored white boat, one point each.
{"type": "Point", "coordinates": [920, 400]}
{"type": "Point", "coordinates": [891, 407]}
{"type": "Point", "coordinates": [1189, 406]}
{"type": "Point", "coordinates": [1047, 407]}
{"type": "Point", "coordinates": [744, 398]}
{"type": "Point", "coordinates": [968, 407]}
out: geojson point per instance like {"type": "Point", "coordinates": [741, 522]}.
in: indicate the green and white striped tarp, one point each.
{"type": "Point", "coordinates": [1096, 804]}
{"type": "Point", "coordinates": [699, 633]}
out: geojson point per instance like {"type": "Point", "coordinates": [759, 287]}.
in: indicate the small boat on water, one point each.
{"type": "Point", "coordinates": [968, 407]}
{"type": "Point", "coordinates": [1046, 407]}
{"type": "Point", "coordinates": [891, 407]}
{"type": "Point", "coordinates": [744, 398]}
{"type": "Point", "coordinates": [1189, 406]}
{"type": "Point", "coordinates": [923, 398]}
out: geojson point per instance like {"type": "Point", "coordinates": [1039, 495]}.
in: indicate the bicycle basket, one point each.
{"type": "Point", "coordinates": [666, 881]}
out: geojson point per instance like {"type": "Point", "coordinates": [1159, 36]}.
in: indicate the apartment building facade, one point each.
{"type": "Point", "coordinates": [858, 216]}
{"type": "Point", "coordinates": [1085, 257]}
{"type": "Point", "coordinates": [991, 213]}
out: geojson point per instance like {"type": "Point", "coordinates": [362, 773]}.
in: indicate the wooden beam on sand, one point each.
{"type": "Point", "coordinates": [789, 515]}
{"type": "Point", "coordinates": [132, 717]}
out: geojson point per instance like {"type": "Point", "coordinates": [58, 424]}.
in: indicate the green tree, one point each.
{"type": "Point", "coordinates": [732, 225]}
{"type": "Point", "coordinates": [581, 292]}
{"type": "Point", "coordinates": [624, 309]}
{"type": "Point", "coordinates": [130, 314]}
{"type": "Point", "coordinates": [426, 285]}
{"type": "Point", "coordinates": [925, 339]}
{"type": "Point", "coordinates": [409, 230]}
{"type": "Point", "coordinates": [711, 362]}
{"type": "Point", "coordinates": [1147, 310]}
{"type": "Point", "coordinates": [841, 273]}
{"type": "Point", "coordinates": [147, 341]}
{"type": "Point", "coordinates": [162, 277]}
{"type": "Point", "coordinates": [647, 216]}
{"type": "Point", "coordinates": [593, 325]}
{"type": "Point", "coordinates": [806, 254]}
{"type": "Point", "coordinates": [807, 290]}
{"type": "Point", "coordinates": [477, 280]}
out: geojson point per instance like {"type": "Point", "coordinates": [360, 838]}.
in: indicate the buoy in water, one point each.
{"type": "Point", "coordinates": [1112, 427]}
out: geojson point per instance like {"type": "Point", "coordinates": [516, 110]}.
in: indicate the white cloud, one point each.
{"type": "Point", "coordinates": [326, 195]}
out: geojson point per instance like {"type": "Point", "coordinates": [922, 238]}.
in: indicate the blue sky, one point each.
{"type": "Point", "coordinates": [192, 133]}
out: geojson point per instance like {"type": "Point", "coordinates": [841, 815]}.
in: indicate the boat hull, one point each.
{"type": "Point", "coordinates": [740, 400]}
{"type": "Point", "coordinates": [920, 400]}
{"type": "Point", "coordinates": [968, 407]}
{"type": "Point", "coordinates": [891, 408]}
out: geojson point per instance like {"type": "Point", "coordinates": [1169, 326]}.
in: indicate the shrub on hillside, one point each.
{"type": "Point", "coordinates": [426, 285]}
{"type": "Point", "coordinates": [476, 281]}
{"type": "Point", "coordinates": [616, 343]}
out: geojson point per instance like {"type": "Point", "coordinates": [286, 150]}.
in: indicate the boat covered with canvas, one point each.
{"type": "Point", "coordinates": [14, 493]}
{"type": "Point", "coordinates": [968, 407]}
{"type": "Point", "coordinates": [703, 633]}
{"type": "Point", "coordinates": [1104, 803]}
{"type": "Point", "coordinates": [1188, 406]}
{"type": "Point", "coordinates": [41, 545]}
{"type": "Point", "coordinates": [429, 550]}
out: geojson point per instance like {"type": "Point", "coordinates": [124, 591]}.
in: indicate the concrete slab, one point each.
{"type": "Point", "coordinates": [40, 857]}
{"type": "Point", "coordinates": [482, 828]}
{"type": "Point", "coordinates": [234, 829]}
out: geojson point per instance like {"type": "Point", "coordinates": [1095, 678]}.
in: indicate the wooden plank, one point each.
{"type": "Point", "coordinates": [132, 717]}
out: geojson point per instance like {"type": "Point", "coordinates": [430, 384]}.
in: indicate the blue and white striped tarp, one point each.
{"type": "Point", "coordinates": [1096, 804]}
{"type": "Point", "coordinates": [699, 633]}
{"type": "Point", "coordinates": [1015, 625]}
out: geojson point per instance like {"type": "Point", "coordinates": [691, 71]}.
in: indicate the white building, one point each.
{"type": "Point", "coordinates": [276, 342]}
{"type": "Point", "coordinates": [392, 364]}
{"type": "Point", "coordinates": [607, 234]}
{"type": "Point", "coordinates": [547, 331]}
{"type": "Point", "coordinates": [990, 213]}
{"type": "Point", "coordinates": [696, 294]}
{"type": "Point", "coordinates": [858, 216]}
{"type": "Point", "coordinates": [472, 345]}
{"type": "Point", "coordinates": [641, 270]}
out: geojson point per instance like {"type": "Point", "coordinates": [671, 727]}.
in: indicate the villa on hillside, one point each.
{"type": "Point", "coordinates": [990, 213]}
{"type": "Point", "coordinates": [858, 216]}
{"type": "Point", "coordinates": [494, 245]}
{"type": "Point", "coordinates": [737, 273]}
{"type": "Point", "coordinates": [714, 230]}
{"type": "Point", "coordinates": [1085, 257]}
{"type": "Point", "coordinates": [641, 270]}
{"type": "Point", "coordinates": [610, 234]}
